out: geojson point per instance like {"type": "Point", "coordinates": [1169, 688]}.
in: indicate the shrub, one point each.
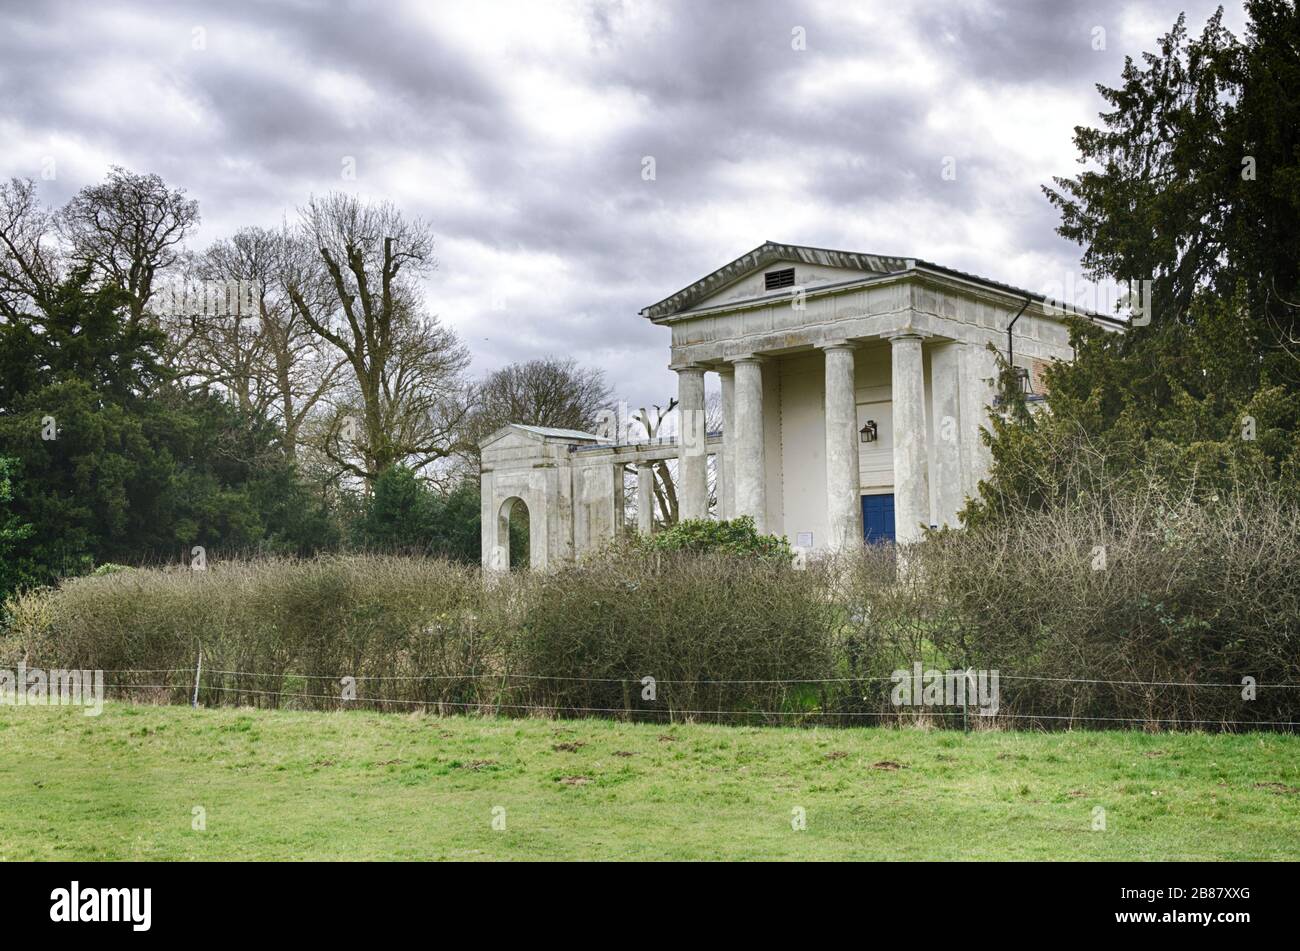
{"type": "Point", "coordinates": [588, 633]}
{"type": "Point", "coordinates": [109, 568]}
{"type": "Point", "coordinates": [426, 631]}
{"type": "Point", "coordinates": [1127, 587]}
{"type": "Point", "coordinates": [268, 627]}
{"type": "Point", "coordinates": [1098, 613]}
{"type": "Point", "coordinates": [737, 537]}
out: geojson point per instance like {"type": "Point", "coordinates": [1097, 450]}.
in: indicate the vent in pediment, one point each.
{"type": "Point", "coordinates": [775, 280]}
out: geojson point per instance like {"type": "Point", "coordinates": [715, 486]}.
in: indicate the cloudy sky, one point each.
{"type": "Point", "coordinates": [521, 130]}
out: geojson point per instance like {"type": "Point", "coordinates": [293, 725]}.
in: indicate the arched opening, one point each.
{"type": "Point", "coordinates": [512, 535]}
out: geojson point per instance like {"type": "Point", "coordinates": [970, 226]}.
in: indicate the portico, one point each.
{"type": "Point", "coordinates": [823, 469]}
{"type": "Point", "coordinates": [850, 383]}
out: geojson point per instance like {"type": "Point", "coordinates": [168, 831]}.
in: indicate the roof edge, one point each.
{"type": "Point", "coordinates": [881, 266]}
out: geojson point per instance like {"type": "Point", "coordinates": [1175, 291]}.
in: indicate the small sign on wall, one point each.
{"type": "Point", "coordinates": [804, 539]}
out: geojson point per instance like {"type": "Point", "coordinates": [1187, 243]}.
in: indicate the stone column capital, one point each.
{"type": "Point", "coordinates": [751, 358]}
{"type": "Point", "coordinates": [688, 367]}
{"type": "Point", "coordinates": [842, 344]}
{"type": "Point", "coordinates": [897, 335]}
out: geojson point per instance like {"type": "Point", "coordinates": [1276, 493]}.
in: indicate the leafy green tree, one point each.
{"type": "Point", "coordinates": [400, 514]}
{"type": "Point", "coordinates": [1192, 182]}
{"type": "Point", "coordinates": [150, 480]}
{"type": "Point", "coordinates": [404, 513]}
{"type": "Point", "coordinates": [12, 529]}
{"type": "Point", "coordinates": [459, 520]}
{"type": "Point", "coordinates": [79, 334]}
{"type": "Point", "coordinates": [119, 465]}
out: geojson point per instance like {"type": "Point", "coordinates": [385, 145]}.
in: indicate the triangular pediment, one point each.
{"type": "Point", "coordinates": [521, 434]}
{"type": "Point", "coordinates": [743, 279]}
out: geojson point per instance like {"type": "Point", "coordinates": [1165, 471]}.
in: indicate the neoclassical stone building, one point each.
{"type": "Point", "coordinates": [854, 388]}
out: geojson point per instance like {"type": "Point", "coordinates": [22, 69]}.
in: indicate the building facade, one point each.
{"type": "Point", "coordinates": [854, 388]}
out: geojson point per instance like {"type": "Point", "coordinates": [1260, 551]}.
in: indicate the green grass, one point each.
{"type": "Point", "coordinates": [286, 785]}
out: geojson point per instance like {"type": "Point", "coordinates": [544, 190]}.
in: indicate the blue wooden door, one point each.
{"type": "Point", "coordinates": [878, 518]}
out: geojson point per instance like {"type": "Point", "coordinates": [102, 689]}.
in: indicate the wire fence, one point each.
{"type": "Point", "coordinates": [855, 700]}
{"type": "Point", "coordinates": [633, 679]}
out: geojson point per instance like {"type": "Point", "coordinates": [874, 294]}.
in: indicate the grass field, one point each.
{"type": "Point", "coordinates": [285, 785]}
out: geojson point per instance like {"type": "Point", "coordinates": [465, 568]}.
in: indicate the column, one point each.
{"type": "Point", "coordinates": [750, 481]}
{"type": "Point", "coordinates": [619, 520]}
{"type": "Point", "coordinates": [645, 498]}
{"type": "Point", "coordinates": [727, 458]}
{"type": "Point", "coordinates": [487, 519]}
{"type": "Point", "coordinates": [692, 461]}
{"type": "Point", "coordinates": [911, 475]}
{"type": "Point", "coordinates": [946, 418]}
{"type": "Point", "coordinates": [978, 371]}
{"type": "Point", "coordinates": [843, 504]}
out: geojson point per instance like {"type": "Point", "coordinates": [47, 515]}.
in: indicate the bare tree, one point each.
{"type": "Point", "coordinates": [665, 488]}
{"type": "Point", "coordinates": [263, 352]}
{"type": "Point", "coordinates": [546, 392]}
{"type": "Point", "coordinates": [129, 229]}
{"type": "Point", "coordinates": [29, 256]}
{"type": "Point", "coordinates": [215, 347]}
{"type": "Point", "coordinates": [359, 293]}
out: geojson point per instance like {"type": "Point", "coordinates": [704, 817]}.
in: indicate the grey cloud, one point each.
{"type": "Point", "coordinates": [712, 90]}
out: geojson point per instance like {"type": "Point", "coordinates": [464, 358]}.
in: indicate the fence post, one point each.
{"type": "Point", "coordinates": [198, 670]}
{"type": "Point", "coordinates": [965, 702]}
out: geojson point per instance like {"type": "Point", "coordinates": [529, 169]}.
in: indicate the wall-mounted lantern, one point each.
{"type": "Point", "coordinates": [869, 432]}
{"type": "Point", "coordinates": [1023, 382]}
{"type": "Point", "coordinates": [1026, 385]}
